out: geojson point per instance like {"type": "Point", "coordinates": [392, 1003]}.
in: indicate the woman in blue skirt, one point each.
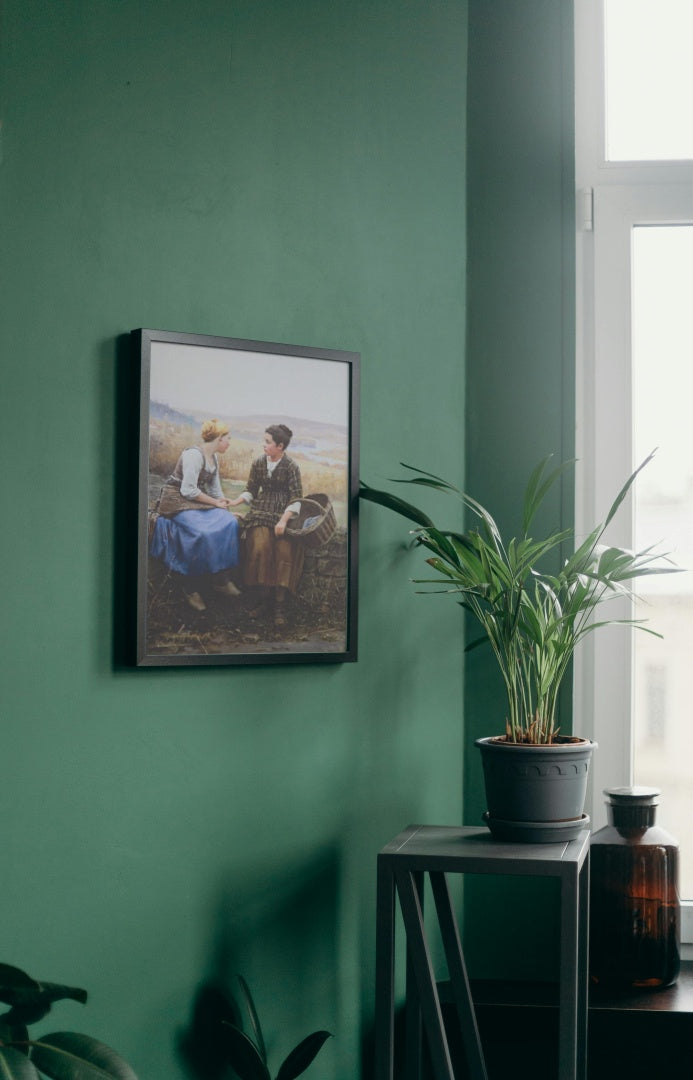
{"type": "Point", "coordinates": [195, 535]}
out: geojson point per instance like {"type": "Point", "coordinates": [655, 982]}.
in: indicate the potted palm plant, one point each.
{"type": "Point", "coordinates": [533, 618]}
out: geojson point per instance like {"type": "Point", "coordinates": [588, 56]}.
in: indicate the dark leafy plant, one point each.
{"type": "Point", "coordinates": [246, 1053]}
{"type": "Point", "coordinates": [533, 619]}
{"type": "Point", "coordinates": [63, 1055]}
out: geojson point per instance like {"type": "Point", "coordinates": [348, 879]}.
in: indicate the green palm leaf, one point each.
{"type": "Point", "coordinates": [625, 489]}
{"type": "Point", "coordinates": [537, 489]}
{"type": "Point", "coordinates": [432, 476]}
{"type": "Point", "coordinates": [393, 503]}
{"type": "Point", "coordinates": [533, 618]}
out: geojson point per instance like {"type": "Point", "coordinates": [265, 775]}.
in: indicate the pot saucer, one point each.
{"type": "Point", "coordinates": [535, 832]}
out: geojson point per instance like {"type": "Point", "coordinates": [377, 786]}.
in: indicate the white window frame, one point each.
{"type": "Point", "coordinates": [611, 198]}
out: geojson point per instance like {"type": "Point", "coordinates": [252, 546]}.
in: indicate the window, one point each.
{"type": "Point", "coordinates": [650, 710]}
{"type": "Point", "coordinates": [648, 80]}
{"type": "Point", "coordinates": [634, 166]}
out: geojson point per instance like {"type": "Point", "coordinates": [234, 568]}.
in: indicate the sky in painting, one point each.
{"type": "Point", "coordinates": [231, 382]}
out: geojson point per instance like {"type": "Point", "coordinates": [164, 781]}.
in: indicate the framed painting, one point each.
{"type": "Point", "coordinates": [248, 501]}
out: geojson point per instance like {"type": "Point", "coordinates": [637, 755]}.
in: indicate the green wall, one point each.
{"type": "Point", "coordinates": [280, 171]}
{"type": "Point", "coordinates": [520, 363]}
{"type": "Point", "coordinates": [290, 172]}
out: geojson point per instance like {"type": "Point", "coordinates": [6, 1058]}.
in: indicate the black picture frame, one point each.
{"type": "Point", "coordinates": [186, 381]}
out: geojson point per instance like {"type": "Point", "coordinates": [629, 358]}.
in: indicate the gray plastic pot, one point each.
{"type": "Point", "coordinates": [536, 794]}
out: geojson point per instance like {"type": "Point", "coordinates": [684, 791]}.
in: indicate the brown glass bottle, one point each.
{"type": "Point", "coordinates": [635, 919]}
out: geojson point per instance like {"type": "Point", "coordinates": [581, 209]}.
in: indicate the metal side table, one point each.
{"type": "Point", "coordinates": [440, 850]}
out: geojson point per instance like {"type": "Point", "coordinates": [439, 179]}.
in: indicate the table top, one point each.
{"type": "Point", "coordinates": [464, 849]}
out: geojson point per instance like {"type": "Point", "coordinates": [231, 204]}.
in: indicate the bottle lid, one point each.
{"type": "Point", "coordinates": [632, 796]}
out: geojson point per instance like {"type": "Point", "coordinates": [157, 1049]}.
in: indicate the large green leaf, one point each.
{"type": "Point", "coordinates": [253, 1017]}
{"type": "Point", "coordinates": [31, 1000]}
{"type": "Point", "coordinates": [12, 978]}
{"type": "Point", "coordinates": [16, 1034]}
{"type": "Point", "coordinates": [66, 1055]}
{"type": "Point", "coordinates": [301, 1056]}
{"type": "Point", "coordinates": [243, 1055]}
{"type": "Point", "coordinates": [14, 1065]}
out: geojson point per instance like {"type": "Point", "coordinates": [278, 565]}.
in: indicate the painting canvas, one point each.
{"type": "Point", "coordinates": [248, 492]}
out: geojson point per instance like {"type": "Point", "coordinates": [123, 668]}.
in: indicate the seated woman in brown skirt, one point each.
{"type": "Point", "coordinates": [271, 561]}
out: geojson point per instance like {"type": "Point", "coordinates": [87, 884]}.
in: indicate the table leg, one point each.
{"type": "Point", "coordinates": [425, 978]}
{"type": "Point", "coordinates": [583, 968]}
{"type": "Point", "coordinates": [458, 977]}
{"type": "Point", "coordinates": [385, 972]}
{"type": "Point", "coordinates": [568, 984]}
{"type": "Point", "coordinates": [413, 1043]}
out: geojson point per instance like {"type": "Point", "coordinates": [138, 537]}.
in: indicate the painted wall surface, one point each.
{"type": "Point", "coordinates": [278, 171]}
{"type": "Point", "coordinates": [520, 361]}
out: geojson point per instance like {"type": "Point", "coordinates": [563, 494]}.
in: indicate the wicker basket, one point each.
{"type": "Point", "coordinates": [315, 523]}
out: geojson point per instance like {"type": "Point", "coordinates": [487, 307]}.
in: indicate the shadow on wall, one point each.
{"type": "Point", "coordinates": [278, 929]}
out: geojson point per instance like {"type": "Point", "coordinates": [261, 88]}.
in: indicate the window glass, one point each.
{"type": "Point", "coordinates": [662, 352]}
{"type": "Point", "coordinates": [634, 263]}
{"type": "Point", "coordinates": [649, 79]}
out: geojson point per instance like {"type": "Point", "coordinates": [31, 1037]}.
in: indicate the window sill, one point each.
{"type": "Point", "coordinates": [511, 994]}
